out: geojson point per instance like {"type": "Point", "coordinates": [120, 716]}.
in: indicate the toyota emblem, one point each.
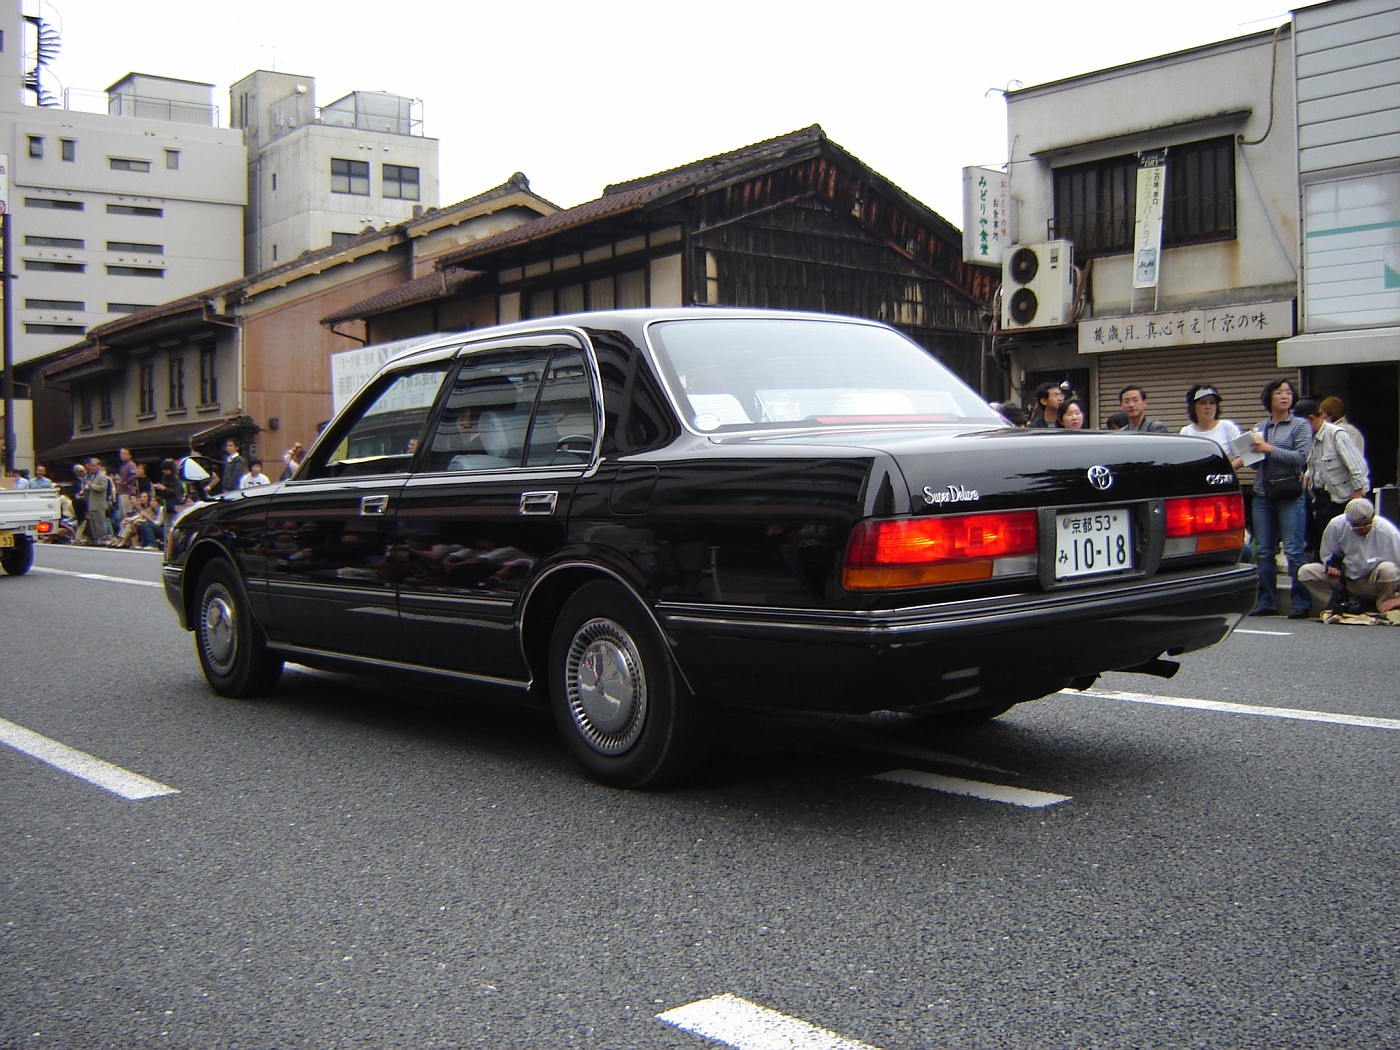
{"type": "Point", "coordinates": [1101, 478]}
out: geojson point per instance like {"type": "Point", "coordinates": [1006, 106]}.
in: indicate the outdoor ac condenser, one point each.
{"type": "Point", "coordinates": [1037, 285]}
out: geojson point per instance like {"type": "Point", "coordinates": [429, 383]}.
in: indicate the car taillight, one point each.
{"type": "Point", "coordinates": [1202, 524]}
{"type": "Point", "coordinates": [916, 552]}
{"type": "Point", "coordinates": [45, 527]}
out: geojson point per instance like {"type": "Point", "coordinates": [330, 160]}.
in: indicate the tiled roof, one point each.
{"type": "Point", "coordinates": [623, 197]}
{"type": "Point", "coordinates": [436, 285]}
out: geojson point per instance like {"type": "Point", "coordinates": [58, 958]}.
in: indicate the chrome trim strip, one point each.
{"type": "Point", "coordinates": [290, 652]}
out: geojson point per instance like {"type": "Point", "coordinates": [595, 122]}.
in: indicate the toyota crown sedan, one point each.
{"type": "Point", "coordinates": [644, 519]}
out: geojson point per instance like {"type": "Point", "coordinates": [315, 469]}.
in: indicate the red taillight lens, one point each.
{"type": "Point", "coordinates": [1216, 522]}
{"type": "Point", "coordinates": [913, 552]}
{"type": "Point", "coordinates": [45, 527]}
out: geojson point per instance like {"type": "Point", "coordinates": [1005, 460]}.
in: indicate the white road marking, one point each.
{"type": "Point", "coordinates": [973, 788]}
{"type": "Point", "coordinates": [1271, 634]}
{"type": "Point", "coordinates": [1241, 709]}
{"type": "Point", "coordinates": [97, 576]}
{"type": "Point", "coordinates": [744, 1025]}
{"type": "Point", "coordinates": [111, 778]}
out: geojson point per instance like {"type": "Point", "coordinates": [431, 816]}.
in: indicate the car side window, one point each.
{"type": "Point", "coordinates": [485, 422]}
{"type": "Point", "coordinates": [563, 431]}
{"type": "Point", "coordinates": [382, 432]}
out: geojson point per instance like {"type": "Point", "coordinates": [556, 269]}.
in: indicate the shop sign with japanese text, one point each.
{"type": "Point", "coordinates": [1167, 328]}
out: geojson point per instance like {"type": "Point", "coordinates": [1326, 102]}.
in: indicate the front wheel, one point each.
{"type": "Point", "coordinates": [232, 647]}
{"type": "Point", "coordinates": [617, 699]}
{"type": "Point", "coordinates": [17, 560]}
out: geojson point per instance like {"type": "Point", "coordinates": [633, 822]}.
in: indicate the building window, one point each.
{"type": "Point", "coordinates": [274, 182]}
{"type": "Point", "coordinates": [135, 209]}
{"type": "Point", "coordinates": [36, 147]}
{"type": "Point", "coordinates": [54, 304]}
{"type": "Point", "coordinates": [135, 271]}
{"type": "Point", "coordinates": [1096, 206]}
{"type": "Point", "coordinates": [148, 387]}
{"type": "Point", "coordinates": [177, 382]}
{"type": "Point", "coordinates": [208, 377]}
{"type": "Point", "coordinates": [172, 160]}
{"type": "Point", "coordinates": [127, 308]}
{"type": "Point", "coordinates": [55, 205]}
{"type": "Point", "coordinates": [350, 176]}
{"type": "Point", "coordinates": [34, 240]}
{"type": "Point", "coordinates": [341, 238]}
{"type": "Point", "coordinates": [104, 403]}
{"type": "Point", "coordinates": [69, 149]}
{"type": "Point", "coordinates": [400, 182]}
{"type": "Point", "coordinates": [49, 266]}
{"type": "Point", "coordinates": [85, 408]}
{"type": "Point", "coordinates": [136, 246]}
{"type": "Point", "coordinates": [40, 328]}
{"type": "Point", "coordinates": [127, 164]}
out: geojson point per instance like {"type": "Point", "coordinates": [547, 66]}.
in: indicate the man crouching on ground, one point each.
{"type": "Point", "coordinates": [1364, 548]}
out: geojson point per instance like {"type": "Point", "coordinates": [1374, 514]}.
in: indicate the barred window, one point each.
{"type": "Point", "coordinates": [1095, 203]}
{"type": "Point", "coordinates": [148, 387]}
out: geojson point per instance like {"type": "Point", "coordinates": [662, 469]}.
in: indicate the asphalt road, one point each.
{"type": "Point", "coordinates": [346, 865]}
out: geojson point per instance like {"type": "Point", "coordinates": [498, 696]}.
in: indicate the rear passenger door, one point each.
{"type": "Point", "coordinates": [490, 501]}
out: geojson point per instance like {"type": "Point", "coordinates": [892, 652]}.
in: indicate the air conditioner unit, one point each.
{"type": "Point", "coordinates": [1037, 285]}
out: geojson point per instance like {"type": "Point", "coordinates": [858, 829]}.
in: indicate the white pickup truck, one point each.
{"type": "Point", "coordinates": [25, 515]}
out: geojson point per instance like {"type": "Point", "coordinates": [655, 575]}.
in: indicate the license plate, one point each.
{"type": "Point", "coordinates": [1092, 543]}
{"type": "Point", "coordinates": [7, 539]}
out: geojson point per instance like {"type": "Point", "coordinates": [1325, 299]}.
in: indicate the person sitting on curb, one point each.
{"type": "Point", "coordinates": [1361, 549]}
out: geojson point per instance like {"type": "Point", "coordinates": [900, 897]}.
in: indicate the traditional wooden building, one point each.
{"type": "Point", "coordinates": [793, 222]}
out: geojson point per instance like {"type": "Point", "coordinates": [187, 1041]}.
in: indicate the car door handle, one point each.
{"type": "Point", "coordinates": [538, 502]}
{"type": "Point", "coordinates": [373, 506]}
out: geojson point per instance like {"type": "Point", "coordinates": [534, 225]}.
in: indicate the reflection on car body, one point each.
{"type": "Point", "coordinates": [645, 518]}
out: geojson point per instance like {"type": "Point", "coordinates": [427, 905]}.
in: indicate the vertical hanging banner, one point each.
{"type": "Point", "coordinates": [4, 182]}
{"type": "Point", "coordinates": [1147, 229]}
{"type": "Point", "coordinates": [986, 215]}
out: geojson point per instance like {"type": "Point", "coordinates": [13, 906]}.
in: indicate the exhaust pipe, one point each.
{"type": "Point", "coordinates": [1156, 667]}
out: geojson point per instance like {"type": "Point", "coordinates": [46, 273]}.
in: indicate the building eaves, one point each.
{"type": "Point", "coordinates": [440, 284]}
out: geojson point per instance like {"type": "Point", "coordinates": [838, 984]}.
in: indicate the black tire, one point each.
{"type": "Point", "coordinates": [617, 698]}
{"type": "Point", "coordinates": [231, 646]}
{"type": "Point", "coordinates": [17, 560]}
{"type": "Point", "coordinates": [973, 716]}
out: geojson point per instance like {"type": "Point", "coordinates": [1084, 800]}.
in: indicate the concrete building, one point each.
{"type": "Point", "coordinates": [1348, 118]}
{"type": "Point", "coordinates": [1212, 300]}
{"type": "Point", "coordinates": [118, 199]}
{"type": "Point", "coordinates": [320, 176]}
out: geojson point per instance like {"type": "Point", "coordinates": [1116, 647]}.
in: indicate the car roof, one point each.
{"type": "Point", "coordinates": [632, 320]}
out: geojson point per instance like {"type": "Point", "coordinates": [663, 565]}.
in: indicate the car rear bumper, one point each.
{"type": "Point", "coordinates": [957, 654]}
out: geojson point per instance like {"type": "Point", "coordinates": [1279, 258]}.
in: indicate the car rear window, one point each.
{"type": "Point", "coordinates": [728, 374]}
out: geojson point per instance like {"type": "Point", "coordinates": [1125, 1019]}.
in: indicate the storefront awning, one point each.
{"type": "Point", "coordinates": [168, 440]}
{"type": "Point", "coordinates": [1357, 347]}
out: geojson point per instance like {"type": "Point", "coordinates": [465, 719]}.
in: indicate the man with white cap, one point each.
{"type": "Point", "coordinates": [1363, 548]}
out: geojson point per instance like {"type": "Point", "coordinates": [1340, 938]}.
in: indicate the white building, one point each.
{"type": "Point", "coordinates": [319, 176]}
{"type": "Point", "coordinates": [1348, 116]}
{"type": "Point", "coordinates": [118, 200]}
{"type": "Point", "coordinates": [1211, 304]}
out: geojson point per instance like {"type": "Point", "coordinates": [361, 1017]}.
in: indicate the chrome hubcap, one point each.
{"type": "Point", "coordinates": [218, 633]}
{"type": "Point", "coordinates": [607, 689]}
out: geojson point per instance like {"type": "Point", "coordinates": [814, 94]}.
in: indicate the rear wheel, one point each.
{"type": "Point", "coordinates": [617, 699]}
{"type": "Point", "coordinates": [232, 647]}
{"type": "Point", "coordinates": [16, 560]}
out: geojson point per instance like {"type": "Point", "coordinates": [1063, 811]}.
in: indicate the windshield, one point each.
{"type": "Point", "coordinates": [747, 373]}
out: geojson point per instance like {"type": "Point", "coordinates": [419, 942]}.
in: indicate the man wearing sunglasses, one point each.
{"type": "Point", "coordinates": [1363, 548]}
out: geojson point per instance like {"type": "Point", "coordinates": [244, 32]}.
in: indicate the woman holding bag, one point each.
{"type": "Point", "coordinates": [1280, 509]}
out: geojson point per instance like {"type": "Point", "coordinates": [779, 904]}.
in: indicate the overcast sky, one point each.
{"type": "Point", "coordinates": [578, 95]}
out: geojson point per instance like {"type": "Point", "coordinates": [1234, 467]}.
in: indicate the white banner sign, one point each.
{"type": "Point", "coordinates": [1168, 328]}
{"type": "Point", "coordinates": [4, 183]}
{"type": "Point", "coordinates": [1147, 229]}
{"type": "Point", "coordinates": [986, 217]}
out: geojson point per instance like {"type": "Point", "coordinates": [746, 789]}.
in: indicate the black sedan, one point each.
{"type": "Point", "coordinates": [644, 518]}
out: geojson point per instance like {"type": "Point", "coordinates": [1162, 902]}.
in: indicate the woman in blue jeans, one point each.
{"type": "Point", "coordinates": [1280, 508]}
